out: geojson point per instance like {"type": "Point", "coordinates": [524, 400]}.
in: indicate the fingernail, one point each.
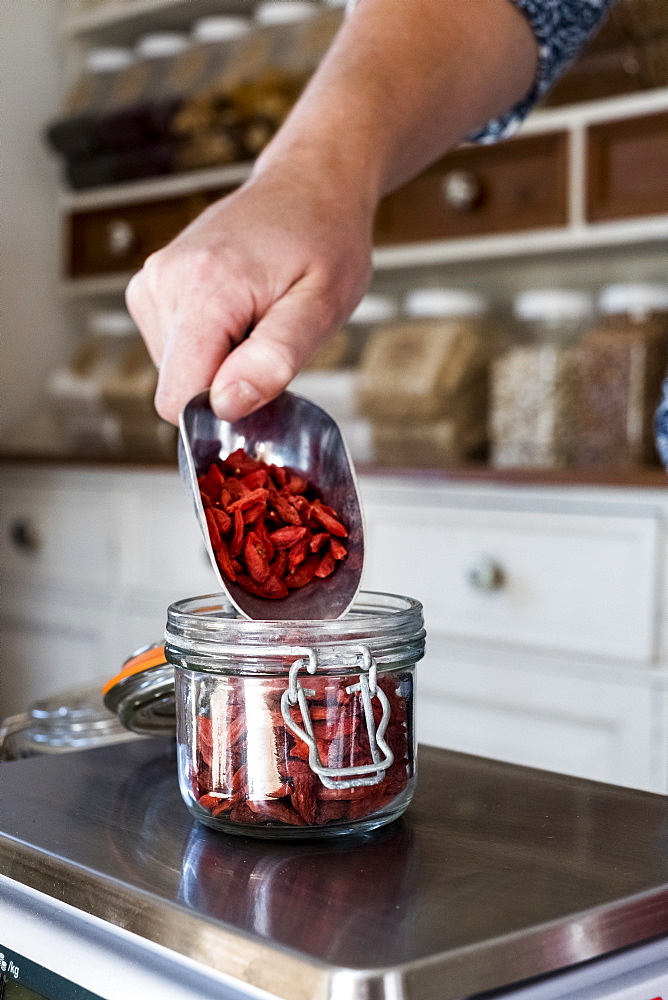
{"type": "Point", "coordinates": [235, 400]}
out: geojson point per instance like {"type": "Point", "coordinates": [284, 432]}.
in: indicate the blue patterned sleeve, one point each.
{"type": "Point", "coordinates": [661, 425]}
{"type": "Point", "coordinates": [561, 28]}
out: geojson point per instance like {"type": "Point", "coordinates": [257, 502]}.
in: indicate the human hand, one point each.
{"type": "Point", "coordinates": [287, 257]}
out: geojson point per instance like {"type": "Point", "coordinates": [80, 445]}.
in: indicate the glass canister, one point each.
{"type": "Point", "coordinates": [535, 383]}
{"type": "Point", "coordinates": [624, 361]}
{"type": "Point", "coordinates": [295, 729]}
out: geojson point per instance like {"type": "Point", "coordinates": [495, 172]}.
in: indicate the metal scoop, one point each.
{"type": "Point", "coordinates": [290, 431]}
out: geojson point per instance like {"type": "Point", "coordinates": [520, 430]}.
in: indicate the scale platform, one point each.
{"type": "Point", "coordinates": [499, 880]}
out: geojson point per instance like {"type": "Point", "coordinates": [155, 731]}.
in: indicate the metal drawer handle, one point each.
{"type": "Point", "coordinates": [485, 574]}
{"type": "Point", "coordinates": [25, 536]}
{"type": "Point", "coordinates": [120, 237]}
{"type": "Point", "coordinates": [462, 190]}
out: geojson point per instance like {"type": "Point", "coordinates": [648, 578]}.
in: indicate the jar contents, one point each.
{"type": "Point", "coordinates": [269, 528]}
{"type": "Point", "coordinates": [250, 766]}
{"type": "Point", "coordinates": [624, 361]}
{"type": "Point", "coordinates": [425, 380]}
{"type": "Point", "coordinates": [535, 384]}
{"type": "Point", "coordinates": [533, 406]}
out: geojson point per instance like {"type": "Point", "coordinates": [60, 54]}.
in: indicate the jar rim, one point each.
{"type": "Point", "coordinates": [202, 629]}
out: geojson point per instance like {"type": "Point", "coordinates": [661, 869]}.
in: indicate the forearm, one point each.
{"type": "Point", "coordinates": [405, 81]}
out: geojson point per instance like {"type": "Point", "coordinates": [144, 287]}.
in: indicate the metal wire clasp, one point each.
{"type": "Point", "coordinates": [382, 756]}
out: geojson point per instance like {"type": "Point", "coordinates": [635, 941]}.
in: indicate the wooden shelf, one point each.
{"type": "Point", "coordinates": [648, 478]}
{"type": "Point", "coordinates": [125, 20]}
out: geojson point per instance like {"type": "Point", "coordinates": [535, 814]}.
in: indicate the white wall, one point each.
{"type": "Point", "coordinates": [33, 334]}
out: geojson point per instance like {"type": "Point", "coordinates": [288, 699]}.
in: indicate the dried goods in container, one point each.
{"type": "Point", "coordinates": [421, 368]}
{"type": "Point", "coordinates": [535, 383]}
{"type": "Point", "coordinates": [533, 406]}
{"type": "Point", "coordinates": [624, 361]}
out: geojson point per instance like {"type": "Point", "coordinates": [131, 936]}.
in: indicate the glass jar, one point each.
{"type": "Point", "coordinates": [624, 361]}
{"type": "Point", "coordinates": [535, 384]}
{"type": "Point", "coordinates": [295, 729]}
{"type": "Point", "coordinates": [424, 380]}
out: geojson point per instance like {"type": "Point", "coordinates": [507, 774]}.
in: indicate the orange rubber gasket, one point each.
{"type": "Point", "coordinates": [144, 661]}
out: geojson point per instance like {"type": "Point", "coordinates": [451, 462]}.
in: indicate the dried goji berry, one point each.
{"type": "Point", "coordinates": [327, 521]}
{"type": "Point", "coordinates": [241, 464]}
{"type": "Point", "coordinates": [284, 538]}
{"type": "Point", "coordinates": [297, 554]}
{"type": "Point", "coordinates": [237, 542]}
{"type": "Point", "coordinates": [255, 513]}
{"type": "Point", "coordinates": [296, 485]}
{"type": "Point", "coordinates": [220, 548]}
{"type": "Point", "coordinates": [304, 798]}
{"type": "Point", "coordinates": [279, 475]}
{"type": "Point", "coordinates": [223, 520]}
{"type": "Point", "coordinates": [303, 574]}
{"type": "Point", "coordinates": [326, 566]}
{"type": "Point", "coordinates": [212, 482]}
{"type": "Point", "coordinates": [256, 558]}
{"type": "Point", "coordinates": [319, 540]}
{"type": "Point", "coordinates": [280, 564]}
{"type": "Point", "coordinates": [286, 510]}
{"type": "Point", "coordinates": [253, 497]}
{"type": "Point", "coordinates": [338, 549]}
{"type": "Point", "coordinates": [255, 480]}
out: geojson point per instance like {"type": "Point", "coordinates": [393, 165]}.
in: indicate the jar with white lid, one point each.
{"type": "Point", "coordinates": [553, 315]}
{"type": "Point", "coordinates": [295, 729]}
{"type": "Point", "coordinates": [424, 380]}
{"type": "Point", "coordinates": [624, 360]}
{"type": "Point", "coordinates": [535, 384]}
{"type": "Point", "coordinates": [274, 12]}
{"type": "Point", "coordinates": [75, 135]}
{"type": "Point", "coordinates": [220, 28]}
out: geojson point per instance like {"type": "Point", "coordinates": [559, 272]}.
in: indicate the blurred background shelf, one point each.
{"type": "Point", "coordinates": [119, 23]}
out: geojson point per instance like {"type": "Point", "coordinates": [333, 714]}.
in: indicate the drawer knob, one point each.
{"type": "Point", "coordinates": [25, 536]}
{"type": "Point", "coordinates": [485, 574]}
{"type": "Point", "coordinates": [120, 237]}
{"type": "Point", "coordinates": [462, 190]}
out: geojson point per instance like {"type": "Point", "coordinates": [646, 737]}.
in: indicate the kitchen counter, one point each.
{"type": "Point", "coordinates": [495, 875]}
{"type": "Point", "coordinates": [638, 477]}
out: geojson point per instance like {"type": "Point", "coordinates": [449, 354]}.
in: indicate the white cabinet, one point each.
{"type": "Point", "coordinates": [549, 714]}
{"type": "Point", "coordinates": [48, 645]}
{"type": "Point", "coordinates": [582, 583]}
{"type": "Point", "coordinates": [546, 609]}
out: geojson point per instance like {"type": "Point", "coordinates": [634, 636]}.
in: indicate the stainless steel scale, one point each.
{"type": "Point", "coordinates": [500, 880]}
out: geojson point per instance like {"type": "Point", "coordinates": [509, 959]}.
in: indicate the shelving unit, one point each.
{"type": "Point", "coordinates": [577, 235]}
{"type": "Point", "coordinates": [121, 22]}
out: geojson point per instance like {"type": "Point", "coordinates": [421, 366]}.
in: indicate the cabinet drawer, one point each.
{"type": "Point", "coordinates": [516, 185]}
{"type": "Point", "coordinates": [591, 727]}
{"type": "Point", "coordinates": [57, 536]}
{"type": "Point", "coordinates": [581, 583]}
{"type": "Point", "coordinates": [121, 238]}
{"type": "Point", "coordinates": [628, 168]}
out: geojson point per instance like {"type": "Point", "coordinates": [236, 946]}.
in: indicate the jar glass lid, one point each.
{"type": "Point", "coordinates": [142, 694]}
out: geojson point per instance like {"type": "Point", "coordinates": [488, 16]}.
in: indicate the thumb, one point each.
{"type": "Point", "coordinates": [261, 367]}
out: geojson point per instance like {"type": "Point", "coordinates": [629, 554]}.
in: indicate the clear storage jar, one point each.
{"type": "Point", "coordinates": [624, 360]}
{"type": "Point", "coordinates": [295, 729]}
{"type": "Point", "coordinates": [535, 384]}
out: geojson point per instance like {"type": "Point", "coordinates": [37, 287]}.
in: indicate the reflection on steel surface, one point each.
{"type": "Point", "coordinates": [496, 874]}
